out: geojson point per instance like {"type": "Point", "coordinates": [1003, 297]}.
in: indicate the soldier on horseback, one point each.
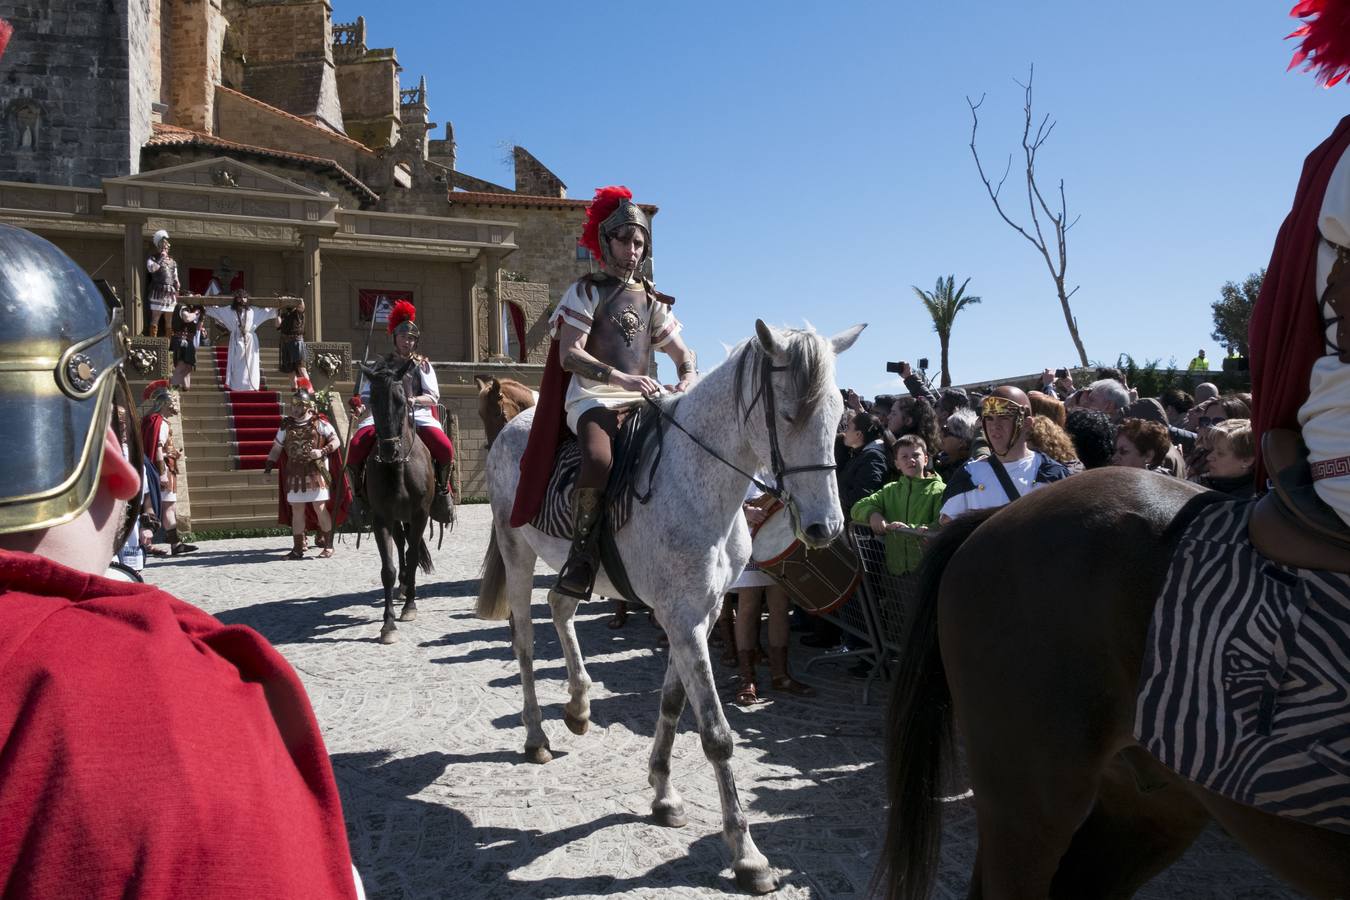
{"type": "Point", "coordinates": [424, 396]}
{"type": "Point", "coordinates": [605, 329]}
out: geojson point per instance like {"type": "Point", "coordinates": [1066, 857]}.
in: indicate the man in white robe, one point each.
{"type": "Point", "coordinates": [242, 320]}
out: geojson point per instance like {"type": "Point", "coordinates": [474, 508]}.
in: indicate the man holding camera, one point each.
{"type": "Point", "coordinates": [1011, 469]}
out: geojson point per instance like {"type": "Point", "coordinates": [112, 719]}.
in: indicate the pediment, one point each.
{"type": "Point", "coordinates": [222, 172]}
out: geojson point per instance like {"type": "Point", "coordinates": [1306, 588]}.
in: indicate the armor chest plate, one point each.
{"type": "Point", "coordinates": [621, 331]}
{"type": "Point", "coordinates": [165, 275]}
{"type": "Point", "coordinates": [292, 323]}
{"type": "Point", "coordinates": [300, 439]}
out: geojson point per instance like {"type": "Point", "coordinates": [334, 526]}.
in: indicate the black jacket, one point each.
{"type": "Point", "coordinates": [864, 473]}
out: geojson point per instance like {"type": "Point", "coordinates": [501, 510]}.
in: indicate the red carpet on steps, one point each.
{"type": "Point", "coordinates": [255, 417]}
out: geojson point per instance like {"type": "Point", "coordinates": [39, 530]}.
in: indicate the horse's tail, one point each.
{"type": "Point", "coordinates": [424, 557]}
{"type": "Point", "coordinates": [492, 602]}
{"type": "Point", "coordinates": [919, 739]}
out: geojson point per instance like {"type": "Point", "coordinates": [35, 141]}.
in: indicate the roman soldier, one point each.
{"type": "Point", "coordinates": [424, 396]}
{"type": "Point", "coordinates": [164, 286]}
{"type": "Point", "coordinates": [187, 323]}
{"type": "Point", "coordinates": [307, 440]}
{"type": "Point", "coordinates": [162, 456]}
{"type": "Point", "coordinates": [291, 326]}
{"type": "Point", "coordinates": [604, 332]}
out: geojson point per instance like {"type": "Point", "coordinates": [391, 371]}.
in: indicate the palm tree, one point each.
{"type": "Point", "coordinates": [943, 303]}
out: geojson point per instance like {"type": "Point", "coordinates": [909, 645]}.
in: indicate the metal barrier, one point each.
{"type": "Point", "coordinates": [877, 615]}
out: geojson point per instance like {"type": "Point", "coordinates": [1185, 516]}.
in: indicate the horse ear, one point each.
{"type": "Point", "coordinates": [484, 383]}
{"type": "Point", "coordinates": [844, 339]}
{"type": "Point", "coordinates": [769, 338]}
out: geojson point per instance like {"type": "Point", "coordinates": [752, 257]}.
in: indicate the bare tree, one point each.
{"type": "Point", "coordinates": [1056, 256]}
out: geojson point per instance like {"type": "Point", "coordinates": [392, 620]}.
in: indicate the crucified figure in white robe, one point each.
{"type": "Point", "coordinates": [242, 321]}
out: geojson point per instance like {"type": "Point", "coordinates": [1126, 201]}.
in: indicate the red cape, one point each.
{"type": "Point", "coordinates": [339, 494]}
{"type": "Point", "coordinates": [546, 433]}
{"type": "Point", "coordinates": [150, 435]}
{"type": "Point", "coordinates": [1286, 327]}
{"type": "Point", "coordinates": [149, 751]}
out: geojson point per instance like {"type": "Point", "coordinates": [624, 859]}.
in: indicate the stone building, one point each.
{"type": "Point", "coordinates": [284, 156]}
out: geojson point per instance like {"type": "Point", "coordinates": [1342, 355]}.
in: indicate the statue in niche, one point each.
{"type": "Point", "coordinates": [26, 119]}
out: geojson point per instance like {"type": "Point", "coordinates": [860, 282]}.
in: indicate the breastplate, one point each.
{"type": "Point", "coordinates": [300, 439]}
{"type": "Point", "coordinates": [163, 277]}
{"type": "Point", "coordinates": [621, 333]}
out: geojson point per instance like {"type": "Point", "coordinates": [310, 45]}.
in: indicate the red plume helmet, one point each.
{"type": "Point", "coordinates": [403, 311]}
{"type": "Point", "coordinates": [1325, 44]}
{"type": "Point", "coordinates": [153, 388]}
{"type": "Point", "coordinates": [6, 32]}
{"type": "Point", "coordinates": [606, 201]}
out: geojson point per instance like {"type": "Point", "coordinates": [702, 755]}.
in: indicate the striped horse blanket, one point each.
{"type": "Point", "coordinates": [1245, 683]}
{"type": "Point", "coordinates": [555, 511]}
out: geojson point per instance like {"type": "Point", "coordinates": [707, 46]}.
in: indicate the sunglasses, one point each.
{"type": "Point", "coordinates": [1208, 421]}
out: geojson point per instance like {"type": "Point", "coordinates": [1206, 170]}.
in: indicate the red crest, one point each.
{"type": "Point", "coordinates": [154, 387]}
{"type": "Point", "coordinates": [1325, 44]}
{"type": "Point", "coordinates": [403, 312]}
{"type": "Point", "coordinates": [605, 202]}
{"type": "Point", "coordinates": [6, 32]}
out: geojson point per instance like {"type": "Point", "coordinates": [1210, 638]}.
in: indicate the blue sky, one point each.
{"type": "Point", "coordinates": [811, 160]}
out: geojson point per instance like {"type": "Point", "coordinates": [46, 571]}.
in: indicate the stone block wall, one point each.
{"type": "Point", "coordinates": [368, 87]}
{"type": "Point", "coordinates": [437, 293]}
{"type": "Point", "coordinates": [533, 177]}
{"type": "Point", "coordinates": [193, 36]}
{"type": "Point", "coordinates": [459, 394]}
{"type": "Point", "coordinates": [289, 48]}
{"type": "Point", "coordinates": [239, 119]}
{"type": "Point", "coordinates": [65, 99]}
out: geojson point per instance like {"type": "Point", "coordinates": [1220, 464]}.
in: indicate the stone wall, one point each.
{"type": "Point", "coordinates": [240, 119]}
{"type": "Point", "coordinates": [533, 177]}
{"type": "Point", "coordinates": [368, 87]}
{"type": "Point", "coordinates": [289, 48]}
{"type": "Point", "coordinates": [165, 158]}
{"type": "Point", "coordinates": [437, 293]}
{"type": "Point", "coordinates": [459, 394]}
{"type": "Point", "coordinates": [66, 93]}
{"type": "Point", "coordinates": [194, 35]}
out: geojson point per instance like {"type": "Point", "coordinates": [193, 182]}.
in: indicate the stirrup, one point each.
{"type": "Point", "coordinates": [580, 589]}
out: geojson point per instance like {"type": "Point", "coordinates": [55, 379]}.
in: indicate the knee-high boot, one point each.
{"type": "Point", "coordinates": [442, 509]}
{"type": "Point", "coordinates": [358, 515]}
{"type": "Point", "coordinates": [578, 574]}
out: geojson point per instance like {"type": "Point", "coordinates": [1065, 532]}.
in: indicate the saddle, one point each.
{"type": "Point", "coordinates": [1290, 524]}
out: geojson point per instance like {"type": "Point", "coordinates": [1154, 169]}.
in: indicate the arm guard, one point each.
{"type": "Point", "coordinates": [582, 363]}
{"type": "Point", "coordinates": [689, 366]}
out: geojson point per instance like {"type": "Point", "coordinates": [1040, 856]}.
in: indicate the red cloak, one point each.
{"type": "Point", "coordinates": [150, 435]}
{"type": "Point", "coordinates": [1285, 334]}
{"type": "Point", "coordinates": [546, 433]}
{"type": "Point", "coordinates": [149, 751]}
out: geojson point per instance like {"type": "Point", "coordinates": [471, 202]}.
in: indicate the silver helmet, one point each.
{"type": "Point", "coordinates": [626, 213]}
{"type": "Point", "coordinates": [62, 344]}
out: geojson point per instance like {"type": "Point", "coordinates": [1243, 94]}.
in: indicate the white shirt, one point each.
{"type": "Point", "coordinates": [988, 493]}
{"type": "Point", "coordinates": [427, 384]}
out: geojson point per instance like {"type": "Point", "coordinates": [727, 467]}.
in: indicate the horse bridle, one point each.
{"type": "Point", "coordinates": [778, 465]}
{"type": "Point", "coordinates": [404, 445]}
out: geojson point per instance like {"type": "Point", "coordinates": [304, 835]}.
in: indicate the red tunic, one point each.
{"type": "Point", "coordinates": [149, 751]}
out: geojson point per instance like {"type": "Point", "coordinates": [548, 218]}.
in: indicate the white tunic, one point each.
{"type": "Point", "coordinates": [422, 415]}
{"type": "Point", "coordinates": [320, 493]}
{"type": "Point", "coordinates": [241, 371]}
{"type": "Point", "coordinates": [577, 308]}
{"type": "Point", "coordinates": [988, 493]}
{"type": "Point", "coordinates": [1325, 415]}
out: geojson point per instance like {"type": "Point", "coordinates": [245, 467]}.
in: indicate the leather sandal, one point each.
{"type": "Point", "coordinates": [747, 694]}
{"type": "Point", "coordinates": [782, 679]}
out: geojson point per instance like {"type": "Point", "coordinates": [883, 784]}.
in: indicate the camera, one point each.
{"type": "Point", "coordinates": [894, 367]}
{"type": "Point", "coordinates": [923, 363]}
{"type": "Point", "coordinates": [1061, 373]}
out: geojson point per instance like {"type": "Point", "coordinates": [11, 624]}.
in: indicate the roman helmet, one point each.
{"type": "Point", "coordinates": [403, 320]}
{"type": "Point", "coordinates": [611, 210]}
{"type": "Point", "coordinates": [62, 345]}
{"type": "Point", "coordinates": [1005, 401]}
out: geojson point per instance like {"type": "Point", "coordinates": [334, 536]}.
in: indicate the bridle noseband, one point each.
{"type": "Point", "coordinates": [401, 445]}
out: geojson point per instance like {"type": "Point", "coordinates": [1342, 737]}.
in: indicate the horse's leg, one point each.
{"type": "Point", "coordinates": [688, 633]}
{"type": "Point", "coordinates": [1141, 823]}
{"type": "Point", "coordinates": [1315, 861]}
{"type": "Point", "coordinates": [385, 541]}
{"type": "Point", "coordinates": [519, 559]}
{"type": "Point", "coordinates": [413, 558]}
{"type": "Point", "coordinates": [577, 710]}
{"type": "Point", "coordinates": [667, 806]}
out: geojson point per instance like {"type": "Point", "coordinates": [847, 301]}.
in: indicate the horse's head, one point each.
{"type": "Point", "coordinates": [787, 395]}
{"type": "Point", "coordinates": [499, 402]}
{"type": "Point", "coordinates": [390, 410]}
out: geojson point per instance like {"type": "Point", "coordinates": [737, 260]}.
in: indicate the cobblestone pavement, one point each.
{"type": "Point", "coordinates": [426, 742]}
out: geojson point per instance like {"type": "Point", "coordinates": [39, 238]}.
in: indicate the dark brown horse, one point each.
{"type": "Point", "coordinates": [1038, 659]}
{"type": "Point", "coordinates": [499, 402]}
{"type": "Point", "coordinates": [400, 484]}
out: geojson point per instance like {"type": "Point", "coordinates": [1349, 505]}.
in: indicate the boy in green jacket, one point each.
{"type": "Point", "coordinates": [911, 501]}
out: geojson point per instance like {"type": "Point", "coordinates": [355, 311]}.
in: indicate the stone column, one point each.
{"type": "Point", "coordinates": [133, 275]}
{"type": "Point", "coordinates": [467, 281]}
{"type": "Point", "coordinates": [312, 269]}
{"type": "Point", "coordinates": [494, 305]}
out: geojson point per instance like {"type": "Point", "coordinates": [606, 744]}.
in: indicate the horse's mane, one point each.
{"type": "Point", "coordinates": [806, 364]}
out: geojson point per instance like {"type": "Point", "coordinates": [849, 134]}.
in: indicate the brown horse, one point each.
{"type": "Point", "coordinates": [499, 402]}
{"type": "Point", "coordinates": [1038, 661]}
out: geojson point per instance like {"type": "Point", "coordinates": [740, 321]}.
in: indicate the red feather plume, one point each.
{"type": "Point", "coordinates": [1325, 44]}
{"type": "Point", "coordinates": [153, 387]}
{"type": "Point", "coordinates": [403, 311]}
{"type": "Point", "coordinates": [605, 202]}
{"type": "Point", "coordinates": [6, 32]}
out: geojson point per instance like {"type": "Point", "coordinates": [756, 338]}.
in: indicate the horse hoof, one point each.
{"type": "Point", "coordinates": [538, 755]}
{"type": "Point", "coordinates": [669, 816]}
{"type": "Point", "coordinates": [576, 725]}
{"type": "Point", "coordinates": [409, 615]}
{"type": "Point", "coordinates": [388, 636]}
{"type": "Point", "coordinates": [756, 881]}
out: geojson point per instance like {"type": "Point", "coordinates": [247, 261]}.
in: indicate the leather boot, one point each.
{"type": "Point", "coordinates": [297, 547]}
{"type": "Point", "coordinates": [177, 547]}
{"type": "Point", "coordinates": [325, 540]}
{"type": "Point", "coordinates": [578, 574]}
{"type": "Point", "coordinates": [442, 509]}
{"type": "Point", "coordinates": [782, 677]}
{"type": "Point", "coordinates": [359, 514]}
{"type": "Point", "coordinates": [746, 693]}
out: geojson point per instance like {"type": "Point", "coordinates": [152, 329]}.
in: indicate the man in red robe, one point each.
{"type": "Point", "coordinates": [146, 749]}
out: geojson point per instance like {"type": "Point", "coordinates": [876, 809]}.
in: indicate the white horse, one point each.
{"type": "Point", "coordinates": [772, 405]}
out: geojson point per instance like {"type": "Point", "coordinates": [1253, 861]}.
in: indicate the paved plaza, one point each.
{"type": "Point", "coordinates": [426, 742]}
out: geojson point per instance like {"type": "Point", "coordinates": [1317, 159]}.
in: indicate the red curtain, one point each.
{"type": "Point", "coordinates": [518, 323]}
{"type": "Point", "coordinates": [199, 280]}
{"type": "Point", "coordinates": [371, 298]}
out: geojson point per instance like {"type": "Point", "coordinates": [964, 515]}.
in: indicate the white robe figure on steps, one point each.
{"type": "Point", "coordinates": [242, 320]}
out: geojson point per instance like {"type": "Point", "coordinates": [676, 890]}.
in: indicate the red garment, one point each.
{"type": "Point", "coordinates": [150, 437]}
{"type": "Point", "coordinates": [546, 433]}
{"type": "Point", "coordinates": [436, 441]}
{"type": "Point", "coordinates": [149, 751]}
{"type": "Point", "coordinates": [339, 501]}
{"type": "Point", "coordinates": [1285, 334]}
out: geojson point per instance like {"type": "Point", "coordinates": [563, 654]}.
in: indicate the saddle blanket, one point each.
{"type": "Point", "coordinates": [555, 512]}
{"type": "Point", "coordinates": [1245, 683]}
